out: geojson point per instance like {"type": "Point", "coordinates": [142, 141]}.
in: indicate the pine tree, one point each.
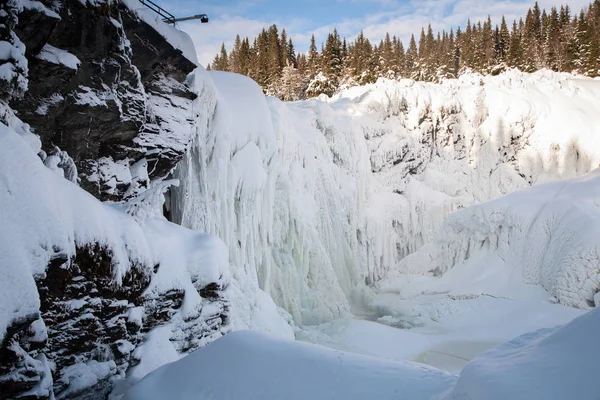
{"type": "Point", "coordinates": [332, 63]}
{"type": "Point", "coordinates": [388, 59]}
{"type": "Point", "coordinates": [503, 42]}
{"type": "Point", "coordinates": [244, 57]}
{"type": "Point", "coordinates": [235, 56]}
{"type": "Point", "coordinates": [291, 54]}
{"type": "Point", "coordinates": [221, 61]}
{"type": "Point", "coordinates": [552, 40]}
{"type": "Point", "coordinates": [313, 58]}
{"type": "Point", "coordinates": [283, 46]}
{"type": "Point", "coordinates": [399, 57]}
{"type": "Point", "coordinates": [515, 53]}
{"type": "Point", "coordinates": [411, 56]}
{"type": "Point", "coordinates": [260, 60]}
{"type": "Point", "coordinates": [581, 44]}
{"type": "Point", "coordinates": [274, 60]}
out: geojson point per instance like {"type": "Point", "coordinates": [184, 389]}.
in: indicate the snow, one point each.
{"type": "Point", "coordinates": [84, 375]}
{"type": "Point", "coordinates": [436, 329]}
{"type": "Point", "coordinates": [38, 6]}
{"type": "Point", "coordinates": [88, 96]}
{"type": "Point", "coordinates": [58, 56]}
{"type": "Point", "coordinates": [156, 351]}
{"type": "Point", "coordinates": [253, 365]}
{"type": "Point", "coordinates": [546, 235]}
{"type": "Point", "coordinates": [552, 363]}
{"type": "Point", "coordinates": [44, 387]}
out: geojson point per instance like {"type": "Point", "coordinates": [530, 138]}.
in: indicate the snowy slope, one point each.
{"type": "Point", "coordinates": [550, 364]}
{"type": "Point", "coordinates": [316, 199]}
{"type": "Point", "coordinates": [46, 217]}
{"type": "Point", "coordinates": [250, 365]}
{"type": "Point", "coordinates": [554, 363]}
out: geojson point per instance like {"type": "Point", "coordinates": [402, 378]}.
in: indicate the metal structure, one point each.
{"type": "Point", "coordinates": [170, 18]}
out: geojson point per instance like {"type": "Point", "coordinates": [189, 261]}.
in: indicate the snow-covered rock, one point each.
{"type": "Point", "coordinates": [84, 281]}
{"type": "Point", "coordinates": [113, 96]}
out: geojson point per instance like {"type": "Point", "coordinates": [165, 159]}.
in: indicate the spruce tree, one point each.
{"type": "Point", "coordinates": [313, 58]}
{"type": "Point", "coordinates": [221, 61]}
{"type": "Point", "coordinates": [399, 58]}
{"type": "Point", "coordinates": [515, 53]}
{"type": "Point", "coordinates": [236, 55]}
{"type": "Point", "coordinates": [411, 56]}
{"type": "Point", "coordinates": [581, 44]}
{"type": "Point", "coordinates": [503, 42]}
{"type": "Point", "coordinates": [388, 60]}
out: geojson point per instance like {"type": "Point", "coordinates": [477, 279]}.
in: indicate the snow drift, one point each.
{"type": "Point", "coordinates": [551, 364]}
{"type": "Point", "coordinates": [251, 365]}
{"type": "Point", "coordinates": [554, 363]}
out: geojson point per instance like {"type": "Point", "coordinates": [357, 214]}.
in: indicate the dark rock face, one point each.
{"type": "Point", "coordinates": [102, 113]}
{"type": "Point", "coordinates": [87, 322]}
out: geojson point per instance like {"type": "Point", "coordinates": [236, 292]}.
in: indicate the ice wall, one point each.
{"type": "Point", "coordinates": [318, 199]}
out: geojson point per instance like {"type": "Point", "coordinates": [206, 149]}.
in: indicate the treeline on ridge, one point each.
{"type": "Point", "coordinates": [556, 40]}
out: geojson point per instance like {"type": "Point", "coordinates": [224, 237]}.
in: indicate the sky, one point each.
{"type": "Point", "coordinates": [301, 19]}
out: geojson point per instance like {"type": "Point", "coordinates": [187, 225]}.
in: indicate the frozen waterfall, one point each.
{"type": "Point", "coordinates": [317, 200]}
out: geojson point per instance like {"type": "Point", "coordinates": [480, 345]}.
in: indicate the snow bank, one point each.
{"type": "Point", "coordinates": [551, 364]}
{"type": "Point", "coordinates": [250, 365]}
{"type": "Point", "coordinates": [316, 199]}
{"type": "Point", "coordinates": [548, 235]}
{"type": "Point", "coordinates": [555, 363]}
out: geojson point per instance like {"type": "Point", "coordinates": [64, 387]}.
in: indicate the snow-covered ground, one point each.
{"type": "Point", "coordinates": [553, 363]}
{"type": "Point", "coordinates": [251, 365]}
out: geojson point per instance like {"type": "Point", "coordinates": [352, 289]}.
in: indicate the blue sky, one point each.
{"type": "Point", "coordinates": [301, 19]}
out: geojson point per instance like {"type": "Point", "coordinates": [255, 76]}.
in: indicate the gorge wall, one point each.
{"type": "Point", "coordinates": [309, 204]}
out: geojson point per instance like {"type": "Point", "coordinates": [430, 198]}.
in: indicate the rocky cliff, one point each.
{"type": "Point", "coordinates": [107, 95]}
{"type": "Point", "coordinates": [104, 87]}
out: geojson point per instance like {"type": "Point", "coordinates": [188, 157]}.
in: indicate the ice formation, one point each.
{"type": "Point", "coordinates": [316, 199]}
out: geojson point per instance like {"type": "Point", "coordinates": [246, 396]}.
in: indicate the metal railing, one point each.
{"type": "Point", "coordinates": [168, 17]}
